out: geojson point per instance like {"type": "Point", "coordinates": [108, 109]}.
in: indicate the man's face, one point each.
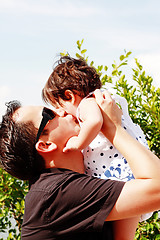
{"type": "Point", "coordinates": [58, 130]}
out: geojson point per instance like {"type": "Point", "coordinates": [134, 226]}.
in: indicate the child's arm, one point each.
{"type": "Point", "coordinates": [92, 121]}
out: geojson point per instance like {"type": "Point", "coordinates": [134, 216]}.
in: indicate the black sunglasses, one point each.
{"type": "Point", "coordinates": [47, 114]}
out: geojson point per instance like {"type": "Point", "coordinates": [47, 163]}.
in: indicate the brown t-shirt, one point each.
{"type": "Point", "coordinates": [62, 204]}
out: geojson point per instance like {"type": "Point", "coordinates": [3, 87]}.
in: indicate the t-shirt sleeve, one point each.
{"type": "Point", "coordinates": [82, 203]}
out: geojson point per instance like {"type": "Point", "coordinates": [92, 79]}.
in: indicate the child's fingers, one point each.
{"type": "Point", "coordinates": [101, 96]}
{"type": "Point", "coordinates": [98, 95]}
{"type": "Point", "coordinates": [107, 95]}
{"type": "Point", "coordinates": [65, 149]}
{"type": "Point", "coordinates": [103, 99]}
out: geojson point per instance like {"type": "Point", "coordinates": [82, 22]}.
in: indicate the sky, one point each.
{"type": "Point", "coordinates": [34, 32]}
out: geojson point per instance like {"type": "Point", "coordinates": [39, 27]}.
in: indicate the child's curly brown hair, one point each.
{"type": "Point", "coordinates": [70, 74]}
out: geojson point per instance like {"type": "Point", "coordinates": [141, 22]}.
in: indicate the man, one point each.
{"type": "Point", "coordinates": [64, 203]}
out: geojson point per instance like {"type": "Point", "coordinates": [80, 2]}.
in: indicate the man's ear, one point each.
{"type": "Point", "coordinates": [70, 96]}
{"type": "Point", "coordinates": [43, 147]}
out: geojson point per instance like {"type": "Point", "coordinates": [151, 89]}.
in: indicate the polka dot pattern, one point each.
{"type": "Point", "coordinates": [106, 161]}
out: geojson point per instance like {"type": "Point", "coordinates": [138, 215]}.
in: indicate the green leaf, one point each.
{"type": "Point", "coordinates": [157, 237]}
{"type": "Point", "coordinates": [83, 51]}
{"type": "Point", "coordinates": [2, 198]}
{"type": "Point", "coordinates": [78, 55]}
{"type": "Point", "coordinates": [114, 72]}
{"type": "Point", "coordinates": [129, 53]}
{"type": "Point", "coordinates": [105, 68]}
{"type": "Point", "coordinates": [114, 66]}
{"type": "Point", "coordinates": [92, 63]}
{"type": "Point", "coordinates": [122, 57]}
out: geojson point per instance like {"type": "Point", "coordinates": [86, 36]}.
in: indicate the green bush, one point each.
{"type": "Point", "coordinates": [144, 108]}
{"type": "Point", "coordinates": [149, 229]}
{"type": "Point", "coordinates": [12, 193]}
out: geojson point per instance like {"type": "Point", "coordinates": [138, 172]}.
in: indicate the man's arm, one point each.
{"type": "Point", "coordinates": [125, 229]}
{"type": "Point", "coordinates": [142, 194]}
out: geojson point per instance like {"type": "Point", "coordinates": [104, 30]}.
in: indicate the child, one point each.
{"type": "Point", "coordinates": [71, 86]}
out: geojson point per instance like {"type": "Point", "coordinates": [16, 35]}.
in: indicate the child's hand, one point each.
{"type": "Point", "coordinates": [110, 109]}
{"type": "Point", "coordinates": [72, 144]}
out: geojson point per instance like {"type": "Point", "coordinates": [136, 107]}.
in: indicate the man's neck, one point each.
{"type": "Point", "coordinates": [72, 160]}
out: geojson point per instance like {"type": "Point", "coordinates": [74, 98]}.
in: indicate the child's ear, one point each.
{"type": "Point", "coordinates": [44, 147]}
{"type": "Point", "coordinates": [70, 96]}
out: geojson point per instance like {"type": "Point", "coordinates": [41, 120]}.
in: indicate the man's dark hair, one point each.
{"type": "Point", "coordinates": [18, 155]}
{"type": "Point", "coordinates": [70, 74]}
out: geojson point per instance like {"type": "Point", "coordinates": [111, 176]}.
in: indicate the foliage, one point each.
{"type": "Point", "coordinates": [143, 101]}
{"type": "Point", "coordinates": [149, 229]}
{"type": "Point", "coordinates": [12, 193]}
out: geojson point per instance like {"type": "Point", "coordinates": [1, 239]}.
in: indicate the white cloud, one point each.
{"type": "Point", "coordinates": [151, 62]}
{"type": "Point", "coordinates": [4, 92]}
{"type": "Point", "coordinates": [56, 8]}
{"type": "Point", "coordinates": [151, 65]}
{"type": "Point", "coordinates": [130, 39]}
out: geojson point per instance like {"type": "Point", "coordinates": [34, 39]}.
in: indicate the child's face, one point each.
{"type": "Point", "coordinates": [68, 106]}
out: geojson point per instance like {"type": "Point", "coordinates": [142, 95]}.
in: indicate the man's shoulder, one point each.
{"type": "Point", "coordinates": [49, 178]}
{"type": "Point", "coordinates": [56, 179]}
